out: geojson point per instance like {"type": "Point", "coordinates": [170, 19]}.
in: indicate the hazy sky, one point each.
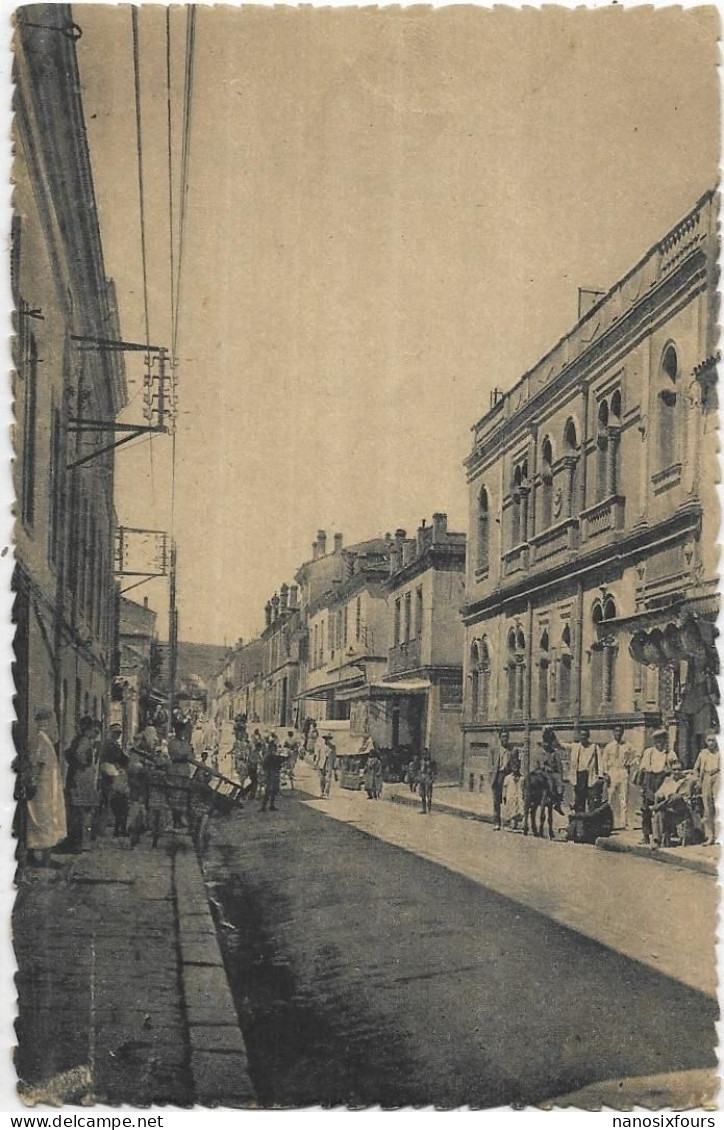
{"type": "Point", "coordinates": [389, 213]}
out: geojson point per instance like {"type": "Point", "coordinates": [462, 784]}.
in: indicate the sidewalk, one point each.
{"type": "Point", "coordinates": [122, 994]}
{"type": "Point", "coordinates": [457, 801]}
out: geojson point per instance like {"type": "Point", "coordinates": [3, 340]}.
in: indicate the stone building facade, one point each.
{"type": "Point", "coordinates": [418, 700]}
{"type": "Point", "coordinates": [346, 631]}
{"type": "Point", "coordinates": [591, 577]}
{"type": "Point", "coordinates": [65, 592]}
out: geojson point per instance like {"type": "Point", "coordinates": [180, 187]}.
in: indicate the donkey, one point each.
{"type": "Point", "coordinates": [537, 797]}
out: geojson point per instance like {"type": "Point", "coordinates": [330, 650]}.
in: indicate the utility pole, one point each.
{"type": "Point", "coordinates": [172, 636]}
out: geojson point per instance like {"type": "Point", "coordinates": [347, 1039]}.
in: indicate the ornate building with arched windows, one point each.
{"type": "Point", "coordinates": [591, 588]}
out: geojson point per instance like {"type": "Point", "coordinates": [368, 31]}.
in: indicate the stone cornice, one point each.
{"type": "Point", "coordinates": [687, 281]}
{"type": "Point", "coordinates": [444, 556]}
{"type": "Point", "coordinates": [632, 543]}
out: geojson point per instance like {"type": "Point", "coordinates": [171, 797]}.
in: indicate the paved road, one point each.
{"type": "Point", "coordinates": [365, 973]}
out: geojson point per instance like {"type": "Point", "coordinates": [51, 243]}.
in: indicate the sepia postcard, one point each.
{"type": "Point", "coordinates": [365, 468]}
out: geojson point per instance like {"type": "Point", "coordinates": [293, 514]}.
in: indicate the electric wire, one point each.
{"type": "Point", "coordinates": [142, 214]}
{"type": "Point", "coordinates": [184, 188]}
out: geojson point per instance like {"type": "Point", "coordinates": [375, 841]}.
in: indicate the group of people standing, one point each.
{"type": "Point", "coordinates": [260, 762]}
{"type": "Point", "coordinates": [148, 787]}
{"type": "Point", "coordinates": [604, 774]}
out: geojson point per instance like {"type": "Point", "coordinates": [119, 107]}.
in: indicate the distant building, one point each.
{"type": "Point", "coordinates": [239, 683]}
{"type": "Point", "coordinates": [415, 701]}
{"type": "Point", "coordinates": [346, 631]}
{"type": "Point", "coordinates": [281, 637]}
{"type": "Point", "coordinates": [65, 592]}
{"type": "Point", "coordinates": [591, 579]}
{"type": "Point", "coordinates": [132, 690]}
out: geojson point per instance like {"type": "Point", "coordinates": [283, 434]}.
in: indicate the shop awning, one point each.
{"type": "Point", "coordinates": [342, 685]}
{"type": "Point", "coordinates": [399, 689]}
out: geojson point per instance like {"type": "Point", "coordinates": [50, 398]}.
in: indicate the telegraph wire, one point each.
{"type": "Point", "coordinates": [184, 186]}
{"type": "Point", "coordinates": [170, 168]}
{"type": "Point", "coordinates": [142, 212]}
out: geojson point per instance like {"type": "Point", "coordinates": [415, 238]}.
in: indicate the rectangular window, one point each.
{"type": "Point", "coordinates": [408, 617]}
{"type": "Point", "coordinates": [54, 487]}
{"type": "Point", "coordinates": [418, 612]}
{"type": "Point", "coordinates": [398, 612]}
{"type": "Point", "coordinates": [29, 427]}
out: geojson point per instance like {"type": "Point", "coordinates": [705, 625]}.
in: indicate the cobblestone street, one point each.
{"type": "Point", "coordinates": [378, 957]}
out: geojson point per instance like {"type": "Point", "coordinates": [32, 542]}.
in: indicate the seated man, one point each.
{"type": "Point", "coordinates": [673, 815]}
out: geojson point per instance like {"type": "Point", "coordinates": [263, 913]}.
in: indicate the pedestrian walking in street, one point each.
{"type": "Point", "coordinates": [426, 774]}
{"type": "Point", "coordinates": [617, 760]}
{"type": "Point", "coordinates": [585, 769]}
{"type": "Point", "coordinates": [254, 764]}
{"type": "Point", "coordinates": [137, 815]}
{"type": "Point", "coordinates": [112, 760]}
{"type": "Point", "coordinates": [81, 787]}
{"type": "Point", "coordinates": [45, 816]}
{"type": "Point", "coordinates": [411, 773]}
{"type": "Point", "coordinates": [707, 769]}
{"type": "Point", "coordinates": [373, 771]}
{"type": "Point", "coordinates": [157, 778]}
{"type": "Point", "coordinates": [271, 770]}
{"type": "Point", "coordinates": [181, 754]}
{"type": "Point", "coordinates": [500, 765]}
{"type": "Point", "coordinates": [655, 764]}
{"type": "Point", "coordinates": [326, 765]}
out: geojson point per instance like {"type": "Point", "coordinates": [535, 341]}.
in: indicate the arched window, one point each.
{"type": "Point", "coordinates": [543, 669]}
{"type": "Point", "coordinates": [546, 484]}
{"type": "Point", "coordinates": [511, 673]}
{"type": "Point", "coordinates": [515, 508]}
{"type": "Point", "coordinates": [616, 407]}
{"type": "Point", "coordinates": [565, 669]}
{"type": "Point", "coordinates": [603, 656]}
{"type": "Point", "coordinates": [483, 530]}
{"type": "Point", "coordinates": [602, 455]}
{"type": "Point", "coordinates": [480, 680]}
{"type": "Point", "coordinates": [516, 671]}
{"type": "Point", "coordinates": [570, 445]}
{"type": "Point", "coordinates": [667, 430]}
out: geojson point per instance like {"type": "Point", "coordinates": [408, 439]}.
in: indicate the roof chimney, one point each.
{"type": "Point", "coordinates": [421, 539]}
{"type": "Point", "coordinates": [145, 602]}
{"type": "Point", "coordinates": [267, 612]}
{"type": "Point", "coordinates": [284, 593]}
{"type": "Point", "coordinates": [322, 542]}
{"type": "Point", "coordinates": [293, 596]}
{"type": "Point", "coordinates": [388, 536]}
{"type": "Point", "coordinates": [275, 606]}
{"type": "Point", "coordinates": [315, 551]}
{"type": "Point", "coordinates": [338, 539]}
{"type": "Point", "coordinates": [439, 528]}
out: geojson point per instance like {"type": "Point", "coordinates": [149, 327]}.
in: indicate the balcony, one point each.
{"type": "Point", "coordinates": [558, 539]}
{"type": "Point", "coordinates": [516, 560]}
{"type": "Point", "coordinates": [404, 656]}
{"type": "Point", "coordinates": [604, 517]}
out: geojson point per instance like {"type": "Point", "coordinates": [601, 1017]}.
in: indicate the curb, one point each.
{"type": "Point", "coordinates": [219, 1062]}
{"type": "Point", "coordinates": [413, 801]}
{"type": "Point", "coordinates": [603, 844]}
{"type": "Point", "coordinates": [658, 856]}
